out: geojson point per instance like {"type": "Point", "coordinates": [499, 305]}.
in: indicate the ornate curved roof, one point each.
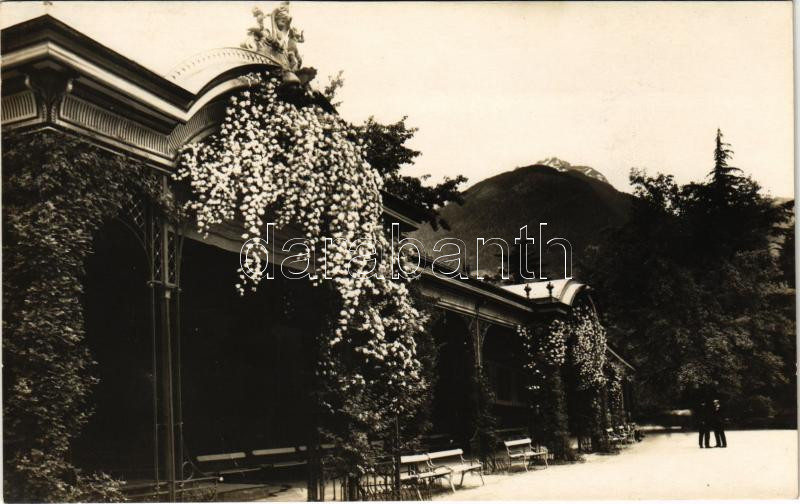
{"type": "Point", "coordinates": [198, 71]}
{"type": "Point", "coordinates": [565, 290]}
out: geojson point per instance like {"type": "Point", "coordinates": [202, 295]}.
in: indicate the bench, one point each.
{"type": "Point", "coordinates": [240, 463]}
{"type": "Point", "coordinates": [418, 469]}
{"type": "Point", "coordinates": [454, 460]}
{"type": "Point", "coordinates": [635, 432]}
{"type": "Point", "coordinates": [511, 432]}
{"type": "Point", "coordinates": [280, 457]}
{"type": "Point", "coordinates": [225, 463]}
{"type": "Point", "coordinates": [627, 432]}
{"type": "Point", "coordinates": [614, 438]}
{"type": "Point", "coordinates": [520, 451]}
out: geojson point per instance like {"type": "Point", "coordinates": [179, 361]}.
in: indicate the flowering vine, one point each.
{"type": "Point", "coordinates": [586, 351]}
{"type": "Point", "coordinates": [589, 348]}
{"type": "Point", "coordinates": [543, 352]}
{"type": "Point", "coordinates": [615, 375]}
{"type": "Point", "coordinates": [580, 340]}
{"type": "Point", "coordinates": [546, 353]}
{"type": "Point", "coordinates": [302, 167]}
{"type": "Point", "coordinates": [554, 343]}
{"type": "Point", "coordinates": [526, 335]}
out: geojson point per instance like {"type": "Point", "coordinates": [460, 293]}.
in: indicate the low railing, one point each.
{"type": "Point", "coordinates": [192, 490]}
{"type": "Point", "coordinates": [380, 483]}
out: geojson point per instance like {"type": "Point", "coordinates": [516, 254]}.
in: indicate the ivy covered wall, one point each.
{"type": "Point", "coordinates": [57, 192]}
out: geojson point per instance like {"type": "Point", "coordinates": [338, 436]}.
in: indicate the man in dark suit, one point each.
{"type": "Point", "coordinates": [702, 425]}
{"type": "Point", "coordinates": [718, 424]}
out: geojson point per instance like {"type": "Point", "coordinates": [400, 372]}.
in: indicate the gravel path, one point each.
{"type": "Point", "coordinates": [756, 464]}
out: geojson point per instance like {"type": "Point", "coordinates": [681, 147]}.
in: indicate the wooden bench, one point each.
{"type": "Point", "coordinates": [225, 463]}
{"type": "Point", "coordinates": [614, 438]}
{"type": "Point", "coordinates": [240, 463]}
{"type": "Point", "coordinates": [289, 456]}
{"type": "Point", "coordinates": [418, 469]}
{"type": "Point", "coordinates": [454, 460]}
{"type": "Point", "coordinates": [520, 451]}
{"type": "Point", "coordinates": [627, 433]}
{"type": "Point", "coordinates": [280, 457]}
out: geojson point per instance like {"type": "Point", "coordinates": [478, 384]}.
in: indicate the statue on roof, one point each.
{"type": "Point", "coordinates": [278, 35]}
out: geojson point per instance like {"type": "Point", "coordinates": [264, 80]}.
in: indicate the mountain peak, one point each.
{"type": "Point", "coordinates": [579, 208]}
{"type": "Point", "coordinates": [554, 162]}
{"type": "Point", "coordinates": [563, 166]}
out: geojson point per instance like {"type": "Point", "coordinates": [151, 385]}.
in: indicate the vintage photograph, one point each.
{"type": "Point", "coordinates": [389, 251]}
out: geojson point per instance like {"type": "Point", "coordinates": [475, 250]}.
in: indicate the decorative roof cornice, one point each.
{"type": "Point", "coordinates": [47, 31]}
{"type": "Point", "coordinates": [178, 96]}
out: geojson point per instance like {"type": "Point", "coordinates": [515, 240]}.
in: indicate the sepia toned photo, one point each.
{"type": "Point", "coordinates": [398, 251]}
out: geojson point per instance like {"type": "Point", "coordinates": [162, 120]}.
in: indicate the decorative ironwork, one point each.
{"type": "Point", "coordinates": [191, 490]}
{"type": "Point", "coordinates": [477, 333]}
{"type": "Point", "coordinates": [134, 218]}
{"type": "Point", "coordinates": [172, 257]}
{"type": "Point", "coordinates": [137, 214]}
{"type": "Point", "coordinates": [156, 246]}
{"type": "Point", "coordinates": [379, 483]}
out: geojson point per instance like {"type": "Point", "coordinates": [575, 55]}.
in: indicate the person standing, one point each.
{"type": "Point", "coordinates": [718, 424]}
{"type": "Point", "coordinates": [702, 425]}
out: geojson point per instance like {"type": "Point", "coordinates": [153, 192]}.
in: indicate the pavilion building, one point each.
{"type": "Point", "coordinates": [187, 367]}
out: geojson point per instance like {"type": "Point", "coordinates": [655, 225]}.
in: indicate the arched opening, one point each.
{"type": "Point", "coordinates": [454, 368]}
{"type": "Point", "coordinates": [504, 361]}
{"type": "Point", "coordinates": [246, 360]}
{"type": "Point", "coordinates": [581, 400]}
{"type": "Point", "coordinates": [118, 437]}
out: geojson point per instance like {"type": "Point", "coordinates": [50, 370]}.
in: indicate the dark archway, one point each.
{"type": "Point", "coordinates": [118, 437]}
{"type": "Point", "coordinates": [504, 361]}
{"type": "Point", "coordinates": [246, 360]}
{"type": "Point", "coordinates": [452, 407]}
{"type": "Point", "coordinates": [581, 412]}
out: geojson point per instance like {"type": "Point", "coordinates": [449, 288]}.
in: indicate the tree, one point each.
{"type": "Point", "coordinates": [695, 292]}
{"type": "Point", "coordinates": [722, 173]}
{"type": "Point", "coordinates": [786, 257]}
{"type": "Point", "coordinates": [335, 82]}
{"type": "Point", "coordinates": [387, 152]}
{"type": "Point", "coordinates": [728, 213]}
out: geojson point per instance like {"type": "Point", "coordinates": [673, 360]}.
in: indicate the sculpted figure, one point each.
{"type": "Point", "coordinates": [285, 36]}
{"type": "Point", "coordinates": [280, 35]}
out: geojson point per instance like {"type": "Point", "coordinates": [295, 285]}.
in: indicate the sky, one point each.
{"type": "Point", "coordinates": [495, 86]}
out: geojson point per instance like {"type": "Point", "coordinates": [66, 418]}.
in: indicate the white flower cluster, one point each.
{"type": "Point", "coordinates": [616, 375]}
{"type": "Point", "coordinates": [303, 167]}
{"type": "Point", "coordinates": [526, 336]}
{"type": "Point", "coordinates": [589, 349]}
{"type": "Point", "coordinates": [551, 349]}
{"type": "Point", "coordinates": [554, 344]}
